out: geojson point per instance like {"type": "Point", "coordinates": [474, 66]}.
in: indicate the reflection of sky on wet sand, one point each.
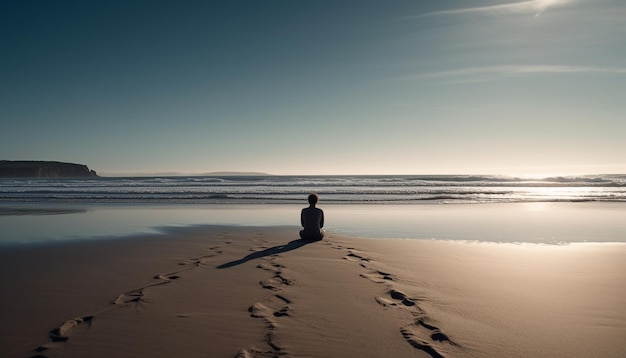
{"type": "Point", "coordinates": [529, 222]}
{"type": "Point", "coordinates": [52, 224]}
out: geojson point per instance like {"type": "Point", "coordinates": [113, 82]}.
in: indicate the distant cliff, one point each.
{"type": "Point", "coordinates": [43, 169]}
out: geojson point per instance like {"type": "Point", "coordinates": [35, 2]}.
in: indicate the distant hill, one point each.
{"type": "Point", "coordinates": [43, 169]}
{"type": "Point", "coordinates": [234, 174]}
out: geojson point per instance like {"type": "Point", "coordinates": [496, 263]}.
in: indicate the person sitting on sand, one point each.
{"type": "Point", "coordinates": [312, 220]}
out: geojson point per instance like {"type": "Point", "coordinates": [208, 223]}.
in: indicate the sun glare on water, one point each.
{"type": "Point", "coordinates": [539, 176]}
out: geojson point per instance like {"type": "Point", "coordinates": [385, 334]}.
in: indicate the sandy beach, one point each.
{"type": "Point", "coordinates": [234, 291]}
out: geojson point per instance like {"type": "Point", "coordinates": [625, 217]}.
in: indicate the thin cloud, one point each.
{"type": "Point", "coordinates": [530, 6]}
{"type": "Point", "coordinates": [512, 70]}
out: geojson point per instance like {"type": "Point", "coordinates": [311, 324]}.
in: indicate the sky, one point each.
{"type": "Point", "coordinates": [317, 87]}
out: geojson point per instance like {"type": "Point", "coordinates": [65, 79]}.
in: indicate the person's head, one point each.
{"type": "Point", "coordinates": [313, 198]}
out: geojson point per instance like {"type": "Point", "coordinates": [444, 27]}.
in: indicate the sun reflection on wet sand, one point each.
{"type": "Point", "coordinates": [534, 222]}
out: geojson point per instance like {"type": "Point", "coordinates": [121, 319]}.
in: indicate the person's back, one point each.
{"type": "Point", "coordinates": [312, 220]}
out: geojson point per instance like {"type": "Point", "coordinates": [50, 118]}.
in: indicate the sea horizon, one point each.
{"type": "Point", "coordinates": [521, 176]}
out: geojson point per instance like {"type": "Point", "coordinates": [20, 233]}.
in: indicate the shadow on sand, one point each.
{"type": "Point", "coordinates": [292, 245]}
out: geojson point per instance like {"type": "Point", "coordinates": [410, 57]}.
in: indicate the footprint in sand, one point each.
{"type": "Point", "coordinates": [273, 306]}
{"type": "Point", "coordinates": [352, 256]}
{"type": "Point", "coordinates": [419, 334]}
{"type": "Point", "coordinates": [199, 260]}
{"type": "Point", "coordinates": [377, 276]}
{"type": "Point", "coordinates": [270, 266]}
{"type": "Point", "coordinates": [396, 298]}
{"type": "Point", "coordinates": [428, 338]}
{"type": "Point", "coordinates": [62, 333]}
{"type": "Point", "coordinates": [274, 283]}
{"type": "Point", "coordinates": [135, 297]}
{"type": "Point", "coordinates": [270, 310]}
{"type": "Point", "coordinates": [278, 279]}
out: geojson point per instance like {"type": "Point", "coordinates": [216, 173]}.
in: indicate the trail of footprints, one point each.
{"type": "Point", "coordinates": [419, 333]}
{"type": "Point", "coordinates": [133, 298]}
{"type": "Point", "coordinates": [272, 308]}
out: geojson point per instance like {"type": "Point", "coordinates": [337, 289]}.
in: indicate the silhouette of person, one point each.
{"type": "Point", "coordinates": [312, 220]}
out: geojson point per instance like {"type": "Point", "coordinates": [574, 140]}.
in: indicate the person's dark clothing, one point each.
{"type": "Point", "coordinates": [312, 220]}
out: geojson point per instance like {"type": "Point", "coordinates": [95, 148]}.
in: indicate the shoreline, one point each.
{"type": "Point", "coordinates": [552, 223]}
{"type": "Point", "coordinates": [343, 296]}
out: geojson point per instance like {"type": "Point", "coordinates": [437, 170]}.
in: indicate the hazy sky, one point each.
{"type": "Point", "coordinates": [316, 87]}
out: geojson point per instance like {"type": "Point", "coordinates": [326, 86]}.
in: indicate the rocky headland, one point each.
{"type": "Point", "coordinates": [43, 169]}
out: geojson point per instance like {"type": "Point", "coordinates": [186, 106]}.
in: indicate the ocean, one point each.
{"type": "Point", "coordinates": [450, 207]}
{"type": "Point", "coordinates": [406, 189]}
